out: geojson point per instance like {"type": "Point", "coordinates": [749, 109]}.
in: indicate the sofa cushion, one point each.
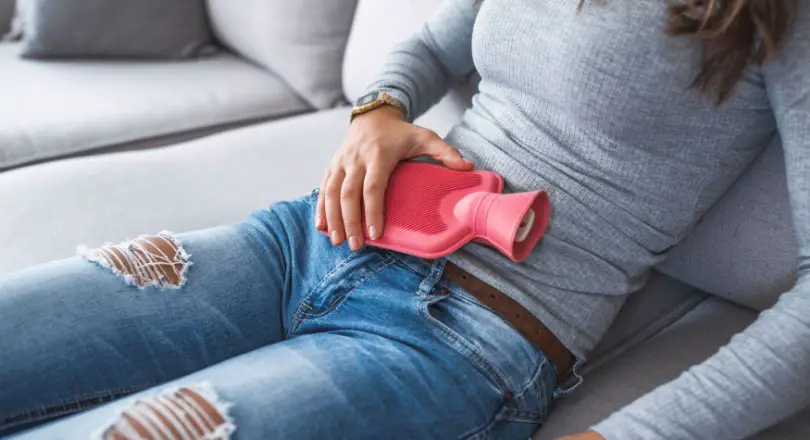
{"type": "Point", "coordinates": [122, 28]}
{"type": "Point", "coordinates": [744, 249]}
{"type": "Point", "coordinates": [302, 41]}
{"type": "Point", "coordinates": [52, 109]}
{"type": "Point", "coordinates": [48, 209]}
{"type": "Point", "coordinates": [662, 358]}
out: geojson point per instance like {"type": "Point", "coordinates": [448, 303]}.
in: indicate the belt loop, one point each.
{"type": "Point", "coordinates": [570, 384]}
{"type": "Point", "coordinates": [433, 277]}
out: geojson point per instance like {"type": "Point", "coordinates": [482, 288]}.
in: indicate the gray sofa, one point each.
{"type": "Point", "coordinates": [736, 262]}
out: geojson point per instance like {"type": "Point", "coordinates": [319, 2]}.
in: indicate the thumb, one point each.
{"type": "Point", "coordinates": [447, 154]}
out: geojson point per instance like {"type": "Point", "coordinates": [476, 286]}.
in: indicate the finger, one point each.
{"type": "Point", "coordinates": [334, 217]}
{"type": "Point", "coordinates": [447, 154]}
{"type": "Point", "coordinates": [351, 199]}
{"type": "Point", "coordinates": [320, 208]}
{"type": "Point", "coordinates": [374, 187]}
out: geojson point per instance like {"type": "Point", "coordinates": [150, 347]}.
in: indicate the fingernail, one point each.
{"type": "Point", "coordinates": [372, 232]}
{"type": "Point", "coordinates": [335, 237]}
{"type": "Point", "coordinates": [317, 222]}
{"type": "Point", "coordinates": [354, 243]}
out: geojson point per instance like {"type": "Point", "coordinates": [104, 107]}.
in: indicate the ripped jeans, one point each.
{"type": "Point", "coordinates": [260, 330]}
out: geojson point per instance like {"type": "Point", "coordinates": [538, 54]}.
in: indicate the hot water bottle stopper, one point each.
{"type": "Point", "coordinates": [432, 211]}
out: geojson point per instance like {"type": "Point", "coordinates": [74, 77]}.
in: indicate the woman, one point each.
{"type": "Point", "coordinates": [634, 116]}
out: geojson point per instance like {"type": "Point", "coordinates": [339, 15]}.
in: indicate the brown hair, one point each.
{"type": "Point", "coordinates": [734, 34]}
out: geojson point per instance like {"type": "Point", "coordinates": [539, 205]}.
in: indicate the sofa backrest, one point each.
{"type": "Point", "coordinates": [743, 250]}
{"type": "Point", "coordinates": [302, 41]}
{"type": "Point", "coordinates": [378, 26]}
{"type": "Point", "coordinates": [6, 14]}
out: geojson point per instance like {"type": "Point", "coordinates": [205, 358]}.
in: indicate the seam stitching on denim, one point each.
{"type": "Point", "coordinates": [480, 432]}
{"type": "Point", "coordinates": [455, 340]}
{"type": "Point", "coordinates": [297, 320]}
{"type": "Point", "coordinates": [48, 415]}
{"type": "Point", "coordinates": [323, 280]}
{"type": "Point", "coordinates": [537, 376]}
{"type": "Point", "coordinates": [411, 267]}
{"type": "Point", "coordinates": [367, 273]}
{"type": "Point", "coordinates": [451, 338]}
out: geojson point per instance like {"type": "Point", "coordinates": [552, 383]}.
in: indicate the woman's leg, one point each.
{"type": "Point", "coordinates": [386, 351]}
{"type": "Point", "coordinates": [77, 334]}
{"type": "Point", "coordinates": [376, 345]}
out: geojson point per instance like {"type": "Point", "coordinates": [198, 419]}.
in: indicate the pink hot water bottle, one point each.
{"type": "Point", "coordinates": [432, 211]}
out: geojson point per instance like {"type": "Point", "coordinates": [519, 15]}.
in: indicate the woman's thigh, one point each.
{"type": "Point", "coordinates": [393, 353]}
{"type": "Point", "coordinates": [77, 334]}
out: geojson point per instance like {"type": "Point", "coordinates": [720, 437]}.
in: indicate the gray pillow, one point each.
{"type": "Point", "coordinates": [6, 14]}
{"type": "Point", "coordinates": [15, 30]}
{"type": "Point", "coordinates": [114, 28]}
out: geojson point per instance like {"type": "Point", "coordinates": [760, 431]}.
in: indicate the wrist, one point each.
{"type": "Point", "coordinates": [376, 100]}
{"type": "Point", "coordinates": [383, 112]}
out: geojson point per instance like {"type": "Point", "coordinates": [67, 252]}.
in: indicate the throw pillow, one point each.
{"type": "Point", "coordinates": [8, 18]}
{"type": "Point", "coordinates": [113, 28]}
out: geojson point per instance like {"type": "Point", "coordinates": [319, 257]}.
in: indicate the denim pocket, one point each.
{"type": "Point", "coordinates": [436, 312]}
{"type": "Point", "coordinates": [534, 403]}
{"type": "Point", "coordinates": [516, 368]}
{"type": "Point", "coordinates": [337, 285]}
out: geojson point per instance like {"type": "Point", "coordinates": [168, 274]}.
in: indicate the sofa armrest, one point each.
{"type": "Point", "coordinates": [6, 15]}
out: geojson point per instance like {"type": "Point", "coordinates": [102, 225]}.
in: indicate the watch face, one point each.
{"type": "Point", "coordinates": [368, 99]}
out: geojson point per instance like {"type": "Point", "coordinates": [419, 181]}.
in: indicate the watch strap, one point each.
{"type": "Point", "coordinates": [381, 99]}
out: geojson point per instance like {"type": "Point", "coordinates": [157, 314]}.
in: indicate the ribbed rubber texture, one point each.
{"type": "Point", "coordinates": [417, 196]}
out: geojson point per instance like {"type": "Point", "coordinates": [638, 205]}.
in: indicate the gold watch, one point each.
{"type": "Point", "coordinates": [376, 100]}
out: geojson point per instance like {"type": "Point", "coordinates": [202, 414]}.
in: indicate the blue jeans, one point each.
{"type": "Point", "coordinates": [293, 337]}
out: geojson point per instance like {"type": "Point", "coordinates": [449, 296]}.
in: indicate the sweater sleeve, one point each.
{"type": "Point", "coordinates": [421, 70]}
{"type": "Point", "coordinates": [763, 375]}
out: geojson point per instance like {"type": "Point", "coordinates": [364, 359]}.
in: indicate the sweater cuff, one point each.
{"type": "Point", "coordinates": [617, 427]}
{"type": "Point", "coordinates": [609, 429]}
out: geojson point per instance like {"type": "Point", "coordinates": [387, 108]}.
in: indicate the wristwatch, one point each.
{"type": "Point", "coordinates": [375, 100]}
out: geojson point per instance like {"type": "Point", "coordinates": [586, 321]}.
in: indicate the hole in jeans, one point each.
{"type": "Point", "coordinates": [190, 413]}
{"type": "Point", "coordinates": [148, 261]}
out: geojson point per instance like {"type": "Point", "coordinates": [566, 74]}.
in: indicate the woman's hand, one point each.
{"type": "Point", "coordinates": [358, 175]}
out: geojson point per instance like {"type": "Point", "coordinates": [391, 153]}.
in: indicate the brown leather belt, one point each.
{"type": "Point", "coordinates": [517, 316]}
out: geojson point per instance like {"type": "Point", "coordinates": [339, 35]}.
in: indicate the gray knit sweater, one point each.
{"type": "Point", "coordinates": [595, 107]}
